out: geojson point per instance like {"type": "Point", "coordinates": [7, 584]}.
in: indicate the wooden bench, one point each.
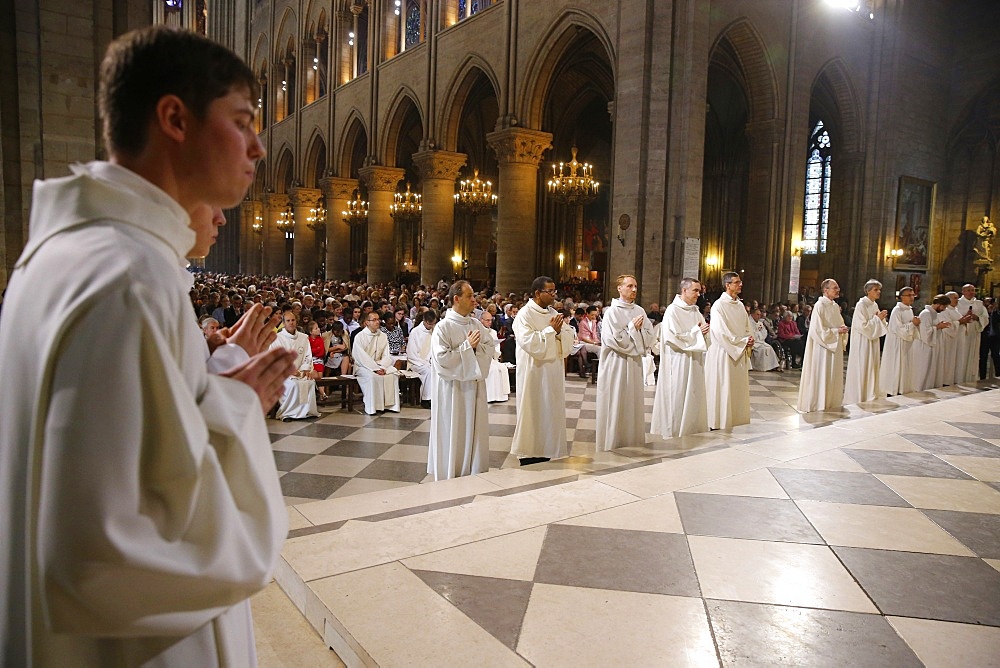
{"type": "Point", "coordinates": [349, 388]}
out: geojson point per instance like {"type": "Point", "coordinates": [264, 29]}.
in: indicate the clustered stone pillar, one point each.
{"type": "Point", "coordinates": [304, 249]}
{"type": "Point", "coordinates": [338, 192]}
{"type": "Point", "coordinates": [275, 262]}
{"type": "Point", "coordinates": [249, 242]}
{"type": "Point", "coordinates": [518, 153]}
{"type": "Point", "coordinates": [438, 171]}
{"type": "Point", "coordinates": [381, 183]}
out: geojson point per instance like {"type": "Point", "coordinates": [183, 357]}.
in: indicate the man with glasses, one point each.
{"type": "Point", "coordinates": [727, 364]}
{"type": "Point", "coordinates": [542, 345]}
{"type": "Point", "coordinates": [374, 367]}
{"type": "Point", "coordinates": [679, 407]}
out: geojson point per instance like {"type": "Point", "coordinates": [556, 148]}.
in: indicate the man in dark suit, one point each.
{"type": "Point", "coordinates": [989, 342]}
{"type": "Point", "coordinates": [803, 320]}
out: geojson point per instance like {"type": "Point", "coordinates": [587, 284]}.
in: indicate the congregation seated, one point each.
{"type": "Point", "coordinates": [418, 355]}
{"type": "Point", "coordinates": [374, 367]}
{"type": "Point", "coordinates": [394, 333]}
{"type": "Point", "coordinates": [338, 360]}
{"type": "Point", "coordinates": [791, 339]}
{"type": "Point", "coordinates": [498, 382]}
{"type": "Point", "coordinates": [589, 336]}
{"type": "Point", "coordinates": [762, 356]}
{"type": "Point", "coordinates": [298, 400]}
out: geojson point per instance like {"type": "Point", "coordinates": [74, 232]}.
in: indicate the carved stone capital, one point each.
{"type": "Point", "coordinates": [439, 164]}
{"type": "Point", "coordinates": [518, 145]}
{"type": "Point", "coordinates": [276, 200]}
{"type": "Point", "coordinates": [335, 187]}
{"type": "Point", "coordinates": [381, 178]}
{"type": "Point", "coordinates": [306, 198]}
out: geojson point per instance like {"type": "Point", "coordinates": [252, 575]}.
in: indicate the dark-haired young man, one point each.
{"type": "Point", "coordinates": [138, 496]}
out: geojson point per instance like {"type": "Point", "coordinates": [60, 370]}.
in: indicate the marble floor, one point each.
{"type": "Point", "coordinates": [867, 536]}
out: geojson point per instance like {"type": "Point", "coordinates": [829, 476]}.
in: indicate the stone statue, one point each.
{"type": "Point", "coordinates": [986, 231]}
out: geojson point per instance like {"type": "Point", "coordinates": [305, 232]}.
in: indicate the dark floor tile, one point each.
{"type": "Point", "coordinates": [980, 429]}
{"type": "Point", "coordinates": [640, 561]}
{"type": "Point", "coordinates": [394, 422]}
{"type": "Point", "coordinates": [571, 423]}
{"type": "Point", "coordinates": [497, 458]}
{"type": "Point", "coordinates": [585, 436]}
{"type": "Point", "coordinates": [774, 635]}
{"type": "Point", "coordinates": [508, 408]}
{"type": "Point", "coordinates": [927, 586]}
{"type": "Point", "coordinates": [496, 605]}
{"type": "Point", "coordinates": [416, 510]}
{"type": "Point", "coordinates": [994, 485]}
{"type": "Point", "coordinates": [980, 532]}
{"type": "Point", "coordinates": [837, 487]}
{"type": "Point", "coordinates": [276, 437]}
{"type": "Point", "coordinates": [918, 464]}
{"type": "Point", "coordinates": [316, 528]}
{"type": "Point", "coordinates": [387, 469]}
{"type": "Point", "coordinates": [326, 431]}
{"type": "Point", "coordinates": [310, 485]}
{"type": "Point", "coordinates": [286, 461]}
{"type": "Point", "coordinates": [535, 485]}
{"type": "Point", "coordinates": [501, 430]}
{"type": "Point", "coordinates": [744, 517]}
{"type": "Point", "coordinates": [954, 445]}
{"type": "Point", "coordinates": [364, 449]}
{"type": "Point", "coordinates": [587, 414]}
{"type": "Point", "coordinates": [417, 438]}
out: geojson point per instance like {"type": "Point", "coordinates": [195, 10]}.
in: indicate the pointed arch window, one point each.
{"type": "Point", "coordinates": [412, 23]}
{"type": "Point", "coordinates": [817, 202]}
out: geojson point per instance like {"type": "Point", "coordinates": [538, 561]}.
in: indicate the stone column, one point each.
{"type": "Point", "coordinates": [338, 192]}
{"type": "Point", "coordinates": [479, 246]}
{"type": "Point", "coordinates": [248, 240]}
{"type": "Point", "coordinates": [381, 183]}
{"type": "Point", "coordinates": [438, 172]}
{"type": "Point", "coordinates": [761, 241]}
{"type": "Point", "coordinates": [518, 154]}
{"type": "Point", "coordinates": [304, 253]}
{"type": "Point", "coordinates": [275, 262]}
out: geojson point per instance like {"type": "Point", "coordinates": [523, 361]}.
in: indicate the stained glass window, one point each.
{"type": "Point", "coordinates": [475, 7]}
{"type": "Point", "coordinates": [461, 9]}
{"type": "Point", "coordinates": [172, 5]}
{"type": "Point", "coordinates": [412, 23]}
{"type": "Point", "coordinates": [817, 201]}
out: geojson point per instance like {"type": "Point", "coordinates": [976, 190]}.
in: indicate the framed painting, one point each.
{"type": "Point", "coordinates": [914, 209]}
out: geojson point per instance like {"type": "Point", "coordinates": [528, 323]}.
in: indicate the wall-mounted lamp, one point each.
{"type": "Point", "coordinates": [457, 259]}
{"type": "Point", "coordinates": [894, 254]}
{"type": "Point", "coordinates": [797, 247]}
{"type": "Point", "coordinates": [712, 261]}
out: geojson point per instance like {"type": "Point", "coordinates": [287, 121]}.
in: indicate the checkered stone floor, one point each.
{"type": "Point", "coordinates": [342, 454]}
{"type": "Point", "coordinates": [874, 540]}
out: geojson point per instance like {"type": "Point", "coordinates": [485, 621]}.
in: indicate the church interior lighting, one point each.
{"type": "Point", "coordinates": [475, 196]}
{"type": "Point", "coordinates": [574, 182]}
{"type": "Point", "coordinates": [406, 207]}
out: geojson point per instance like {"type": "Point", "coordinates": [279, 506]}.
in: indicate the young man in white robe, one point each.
{"type": "Point", "coordinates": [924, 364]}
{"type": "Point", "coordinates": [155, 506]}
{"type": "Point", "coordinates": [626, 338]}
{"type": "Point", "coordinates": [975, 320]}
{"type": "Point", "coordinates": [418, 355]}
{"type": "Point", "coordinates": [498, 381]}
{"type": "Point", "coordinates": [762, 355]}
{"type": "Point", "coordinates": [727, 363]}
{"type": "Point", "coordinates": [543, 343]}
{"type": "Point", "coordinates": [947, 352]}
{"type": "Point", "coordinates": [822, 385]}
{"type": "Point", "coordinates": [679, 407]}
{"type": "Point", "coordinates": [460, 429]}
{"type": "Point", "coordinates": [299, 398]}
{"type": "Point", "coordinates": [375, 368]}
{"type": "Point", "coordinates": [895, 376]}
{"type": "Point", "coordinates": [864, 361]}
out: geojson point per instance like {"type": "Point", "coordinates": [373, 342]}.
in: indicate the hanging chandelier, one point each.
{"type": "Point", "coordinates": [258, 225]}
{"type": "Point", "coordinates": [317, 217]}
{"type": "Point", "coordinates": [406, 207]}
{"type": "Point", "coordinates": [357, 210]}
{"type": "Point", "coordinates": [475, 196]}
{"type": "Point", "coordinates": [286, 220]}
{"type": "Point", "coordinates": [570, 187]}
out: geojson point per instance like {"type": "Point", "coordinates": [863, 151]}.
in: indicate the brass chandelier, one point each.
{"type": "Point", "coordinates": [574, 183]}
{"type": "Point", "coordinates": [286, 220]}
{"type": "Point", "coordinates": [317, 217]}
{"type": "Point", "coordinates": [475, 196]}
{"type": "Point", "coordinates": [406, 207]}
{"type": "Point", "coordinates": [357, 210]}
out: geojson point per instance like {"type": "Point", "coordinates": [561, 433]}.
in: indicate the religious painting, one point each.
{"type": "Point", "coordinates": [900, 282]}
{"type": "Point", "coordinates": [915, 281]}
{"type": "Point", "coordinates": [914, 208]}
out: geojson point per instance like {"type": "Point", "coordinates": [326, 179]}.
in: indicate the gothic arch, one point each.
{"type": "Point", "coordinates": [468, 73]}
{"type": "Point", "coordinates": [260, 51]}
{"type": "Point", "coordinates": [836, 79]}
{"type": "Point", "coordinates": [553, 47]}
{"type": "Point", "coordinates": [355, 133]}
{"type": "Point", "coordinates": [316, 160]}
{"type": "Point", "coordinates": [284, 172]}
{"type": "Point", "coordinates": [259, 184]}
{"type": "Point", "coordinates": [287, 29]}
{"type": "Point", "coordinates": [404, 103]}
{"type": "Point", "coordinates": [758, 73]}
